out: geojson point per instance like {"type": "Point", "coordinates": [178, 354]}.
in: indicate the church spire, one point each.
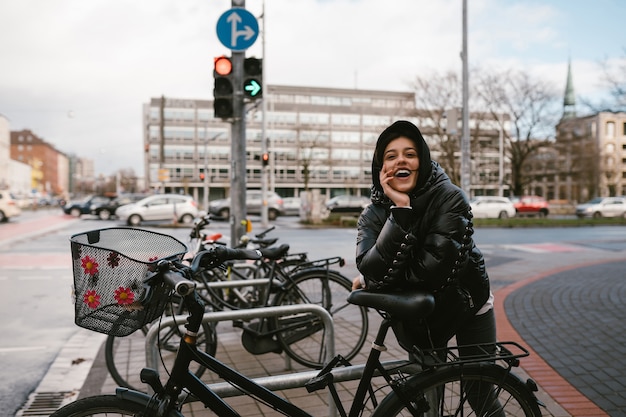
{"type": "Point", "coordinates": [569, 101]}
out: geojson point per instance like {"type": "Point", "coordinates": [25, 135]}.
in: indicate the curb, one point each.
{"type": "Point", "coordinates": [65, 377]}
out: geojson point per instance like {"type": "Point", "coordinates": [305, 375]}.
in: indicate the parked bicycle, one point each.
{"type": "Point", "coordinates": [282, 278]}
{"type": "Point", "coordinates": [300, 337]}
{"type": "Point", "coordinates": [445, 385]}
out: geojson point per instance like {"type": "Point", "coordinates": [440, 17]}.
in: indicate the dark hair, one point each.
{"type": "Point", "coordinates": [402, 128]}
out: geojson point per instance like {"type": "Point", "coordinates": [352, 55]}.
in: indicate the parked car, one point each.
{"type": "Point", "coordinates": [531, 205]}
{"type": "Point", "coordinates": [254, 202]}
{"type": "Point", "coordinates": [291, 206]}
{"type": "Point", "coordinates": [172, 207]}
{"type": "Point", "coordinates": [347, 204]}
{"type": "Point", "coordinates": [492, 207]}
{"type": "Point", "coordinates": [8, 206]}
{"type": "Point", "coordinates": [77, 208]}
{"type": "Point", "coordinates": [106, 209]}
{"type": "Point", "coordinates": [602, 207]}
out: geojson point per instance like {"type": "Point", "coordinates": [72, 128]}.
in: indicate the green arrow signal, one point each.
{"type": "Point", "coordinates": [252, 88]}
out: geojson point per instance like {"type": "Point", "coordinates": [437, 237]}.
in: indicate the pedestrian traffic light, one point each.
{"type": "Point", "coordinates": [265, 159]}
{"type": "Point", "coordinates": [223, 88]}
{"type": "Point", "coordinates": [253, 78]}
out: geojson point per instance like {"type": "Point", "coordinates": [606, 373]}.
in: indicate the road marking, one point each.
{"type": "Point", "coordinates": [22, 349]}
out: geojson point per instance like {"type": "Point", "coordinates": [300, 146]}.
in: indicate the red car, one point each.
{"type": "Point", "coordinates": [531, 205]}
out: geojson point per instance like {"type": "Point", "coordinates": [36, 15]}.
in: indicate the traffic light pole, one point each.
{"type": "Point", "coordinates": [238, 153]}
{"type": "Point", "coordinates": [264, 168]}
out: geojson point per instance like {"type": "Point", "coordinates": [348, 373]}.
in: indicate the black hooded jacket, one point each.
{"type": "Point", "coordinates": [429, 246]}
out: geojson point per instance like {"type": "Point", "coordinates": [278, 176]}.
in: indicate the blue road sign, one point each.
{"type": "Point", "coordinates": [237, 29]}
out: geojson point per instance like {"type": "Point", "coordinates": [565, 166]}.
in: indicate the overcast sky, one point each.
{"type": "Point", "coordinates": [77, 72]}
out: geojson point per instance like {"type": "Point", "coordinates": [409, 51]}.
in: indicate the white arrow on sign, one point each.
{"type": "Point", "coordinates": [234, 19]}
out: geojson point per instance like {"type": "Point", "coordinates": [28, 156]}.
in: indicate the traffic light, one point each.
{"type": "Point", "coordinates": [253, 78]}
{"type": "Point", "coordinates": [265, 159]}
{"type": "Point", "coordinates": [202, 176]}
{"type": "Point", "coordinates": [223, 88]}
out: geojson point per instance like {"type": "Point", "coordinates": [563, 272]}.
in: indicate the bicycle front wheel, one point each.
{"type": "Point", "coordinates": [469, 390]}
{"type": "Point", "coordinates": [102, 405]}
{"type": "Point", "coordinates": [302, 336]}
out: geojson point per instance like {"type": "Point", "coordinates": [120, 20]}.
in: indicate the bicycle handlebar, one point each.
{"type": "Point", "coordinates": [174, 275]}
{"type": "Point", "coordinates": [181, 285]}
{"type": "Point", "coordinates": [263, 233]}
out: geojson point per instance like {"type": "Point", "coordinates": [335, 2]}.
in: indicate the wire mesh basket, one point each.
{"type": "Point", "coordinates": [111, 269]}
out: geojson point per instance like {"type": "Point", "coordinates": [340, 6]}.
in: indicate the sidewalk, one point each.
{"type": "Point", "coordinates": [539, 303]}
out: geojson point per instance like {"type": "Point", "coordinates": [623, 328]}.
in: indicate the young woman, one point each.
{"type": "Point", "coordinates": [417, 233]}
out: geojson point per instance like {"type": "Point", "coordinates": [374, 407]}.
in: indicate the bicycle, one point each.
{"type": "Point", "coordinates": [444, 384]}
{"type": "Point", "coordinates": [300, 337]}
{"type": "Point", "coordinates": [289, 279]}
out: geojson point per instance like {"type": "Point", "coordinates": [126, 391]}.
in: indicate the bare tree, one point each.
{"type": "Point", "coordinates": [434, 94]}
{"type": "Point", "coordinates": [532, 106]}
{"type": "Point", "coordinates": [614, 77]}
{"type": "Point", "coordinates": [307, 148]}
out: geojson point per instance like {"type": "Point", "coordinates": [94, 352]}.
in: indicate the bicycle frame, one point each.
{"type": "Point", "coordinates": [181, 377]}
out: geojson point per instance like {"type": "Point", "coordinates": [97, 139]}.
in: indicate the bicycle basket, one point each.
{"type": "Point", "coordinates": [111, 293]}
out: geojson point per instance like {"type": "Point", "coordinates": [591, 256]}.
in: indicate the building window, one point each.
{"type": "Point", "coordinates": [610, 129]}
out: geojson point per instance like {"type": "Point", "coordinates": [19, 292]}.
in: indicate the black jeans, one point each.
{"type": "Point", "coordinates": [480, 330]}
{"type": "Point", "coordinates": [482, 397]}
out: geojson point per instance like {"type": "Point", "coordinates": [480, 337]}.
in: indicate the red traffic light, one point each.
{"type": "Point", "coordinates": [265, 159]}
{"type": "Point", "coordinates": [202, 175]}
{"type": "Point", "coordinates": [223, 65]}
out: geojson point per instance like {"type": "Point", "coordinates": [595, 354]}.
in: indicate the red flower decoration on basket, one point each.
{"type": "Point", "coordinates": [91, 298]}
{"type": "Point", "coordinates": [124, 296]}
{"type": "Point", "coordinates": [90, 265]}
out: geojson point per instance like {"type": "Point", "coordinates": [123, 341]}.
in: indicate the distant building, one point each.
{"type": "Point", "coordinates": [318, 138]}
{"type": "Point", "coordinates": [587, 159]}
{"type": "Point", "coordinates": [43, 158]}
{"type": "Point", "coordinates": [5, 152]}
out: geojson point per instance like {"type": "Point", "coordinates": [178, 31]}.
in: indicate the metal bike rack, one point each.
{"type": "Point", "coordinates": [280, 382]}
{"type": "Point", "coordinates": [152, 351]}
{"type": "Point", "coordinates": [276, 382]}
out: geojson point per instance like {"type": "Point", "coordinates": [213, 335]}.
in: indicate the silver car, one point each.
{"type": "Point", "coordinates": [254, 203]}
{"type": "Point", "coordinates": [172, 207]}
{"type": "Point", "coordinates": [602, 207]}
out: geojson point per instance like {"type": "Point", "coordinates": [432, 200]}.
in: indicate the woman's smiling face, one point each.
{"type": "Point", "coordinates": [401, 162]}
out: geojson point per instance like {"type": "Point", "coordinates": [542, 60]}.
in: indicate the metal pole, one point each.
{"type": "Point", "coordinates": [238, 150]}
{"type": "Point", "coordinates": [264, 169]}
{"type": "Point", "coordinates": [501, 152]}
{"type": "Point", "coordinates": [465, 139]}
{"type": "Point", "coordinates": [205, 198]}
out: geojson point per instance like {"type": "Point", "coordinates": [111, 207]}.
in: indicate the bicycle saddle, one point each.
{"type": "Point", "coordinates": [402, 305]}
{"type": "Point", "coordinates": [265, 242]}
{"type": "Point", "coordinates": [275, 252]}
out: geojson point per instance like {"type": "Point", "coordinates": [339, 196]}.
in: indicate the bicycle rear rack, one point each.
{"type": "Point", "coordinates": [321, 263]}
{"type": "Point", "coordinates": [509, 352]}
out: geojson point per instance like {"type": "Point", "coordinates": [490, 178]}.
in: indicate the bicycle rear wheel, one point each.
{"type": "Point", "coordinates": [302, 335]}
{"type": "Point", "coordinates": [491, 390]}
{"type": "Point", "coordinates": [125, 356]}
{"type": "Point", "coordinates": [101, 405]}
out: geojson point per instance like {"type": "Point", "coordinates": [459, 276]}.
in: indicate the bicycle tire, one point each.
{"type": "Point", "coordinates": [102, 405]}
{"type": "Point", "coordinates": [304, 340]}
{"type": "Point", "coordinates": [515, 397]}
{"type": "Point", "coordinates": [118, 351]}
